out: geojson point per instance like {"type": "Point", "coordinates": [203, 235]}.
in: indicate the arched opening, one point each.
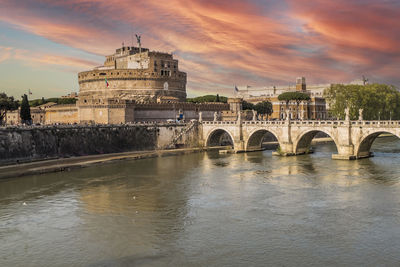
{"type": "Point", "coordinates": [364, 149]}
{"type": "Point", "coordinates": [219, 137]}
{"type": "Point", "coordinates": [262, 140]}
{"type": "Point", "coordinates": [308, 142]}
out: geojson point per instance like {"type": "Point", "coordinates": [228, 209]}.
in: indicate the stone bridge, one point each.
{"type": "Point", "coordinates": [353, 139]}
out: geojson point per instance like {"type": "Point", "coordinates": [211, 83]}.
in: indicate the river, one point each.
{"type": "Point", "coordinates": [206, 209]}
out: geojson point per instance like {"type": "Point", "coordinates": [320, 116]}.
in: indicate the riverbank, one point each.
{"type": "Point", "coordinates": [67, 164]}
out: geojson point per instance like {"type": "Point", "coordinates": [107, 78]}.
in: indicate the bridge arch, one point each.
{"type": "Point", "coordinates": [303, 141]}
{"type": "Point", "coordinates": [256, 137]}
{"type": "Point", "coordinates": [364, 146]}
{"type": "Point", "coordinates": [218, 137]}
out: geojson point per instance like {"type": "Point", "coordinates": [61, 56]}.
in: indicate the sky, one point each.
{"type": "Point", "coordinates": [219, 44]}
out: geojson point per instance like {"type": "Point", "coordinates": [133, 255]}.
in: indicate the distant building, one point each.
{"type": "Point", "coordinates": [316, 108]}
{"type": "Point", "coordinates": [71, 95]}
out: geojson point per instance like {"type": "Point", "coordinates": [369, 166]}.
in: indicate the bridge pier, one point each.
{"type": "Point", "coordinates": [239, 146]}
{"type": "Point", "coordinates": [343, 157]}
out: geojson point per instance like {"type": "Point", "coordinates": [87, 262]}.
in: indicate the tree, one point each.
{"type": "Point", "coordinates": [378, 101]}
{"type": "Point", "coordinates": [294, 96]}
{"type": "Point", "coordinates": [264, 107]}
{"type": "Point", "coordinates": [6, 103]}
{"type": "Point", "coordinates": [247, 105]}
{"type": "Point", "coordinates": [25, 113]}
{"type": "Point", "coordinates": [208, 98]}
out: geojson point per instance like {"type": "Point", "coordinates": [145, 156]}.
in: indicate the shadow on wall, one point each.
{"type": "Point", "coordinates": [41, 143]}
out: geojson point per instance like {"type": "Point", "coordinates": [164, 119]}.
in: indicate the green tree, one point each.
{"type": "Point", "coordinates": [264, 107]}
{"type": "Point", "coordinates": [6, 103]}
{"type": "Point", "coordinates": [378, 101]}
{"type": "Point", "coordinates": [57, 100]}
{"type": "Point", "coordinates": [25, 113]}
{"type": "Point", "coordinates": [247, 105]}
{"type": "Point", "coordinates": [208, 98]}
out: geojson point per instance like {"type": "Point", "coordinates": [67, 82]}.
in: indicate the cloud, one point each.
{"type": "Point", "coordinates": [35, 59]}
{"type": "Point", "coordinates": [221, 43]}
{"type": "Point", "coordinates": [359, 36]}
{"type": "Point", "coordinates": [5, 53]}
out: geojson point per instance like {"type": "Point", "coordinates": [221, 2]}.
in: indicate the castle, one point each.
{"type": "Point", "coordinates": [133, 73]}
{"type": "Point", "coordinates": [134, 84]}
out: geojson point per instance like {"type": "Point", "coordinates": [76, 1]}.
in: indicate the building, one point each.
{"type": "Point", "coordinates": [71, 95]}
{"type": "Point", "coordinates": [316, 108]}
{"type": "Point", "coordinates": [313, 109]}
{"type": "Point", "coordinates": [133, 73]}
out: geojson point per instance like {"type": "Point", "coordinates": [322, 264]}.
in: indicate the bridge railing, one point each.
{"type": "Point", "coordinates": [310, 123]}
{"type": "Point", "coordinates": [377, 123]}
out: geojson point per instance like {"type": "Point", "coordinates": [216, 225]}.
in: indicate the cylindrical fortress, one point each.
{"type": "Point", "coordinates": [133, 75]}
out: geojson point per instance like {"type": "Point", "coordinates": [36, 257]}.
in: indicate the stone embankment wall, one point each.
{"type": "Point", "coordinates": [23, 144]}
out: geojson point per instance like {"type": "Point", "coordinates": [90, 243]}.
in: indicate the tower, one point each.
{"type": "Point", "coordinates": [301, 84]}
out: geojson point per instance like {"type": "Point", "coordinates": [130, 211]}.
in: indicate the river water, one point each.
{"type": "Point", "coordinates": [206, 209]}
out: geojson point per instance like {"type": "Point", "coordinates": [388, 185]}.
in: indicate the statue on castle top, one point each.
{"type": "Point", "coordinates": [215, 116]}
{"type": "Point", "coordinates": [347, 112]}
{"type": "Point", "coordinates": [360, 114]}
{"type": "Point", "coordinates": [138, 38]}
{"type": "Point", "coordinates": [254, 115]}
{"type": "Point", "coordinates": [200, 116]}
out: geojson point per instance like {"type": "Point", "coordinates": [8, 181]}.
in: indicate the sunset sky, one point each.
{"type": "Point", "coordinates": [44, 43]}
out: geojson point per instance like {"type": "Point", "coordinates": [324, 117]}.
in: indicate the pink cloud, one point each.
{"type": "Point", "coordinates": [220, 43]}
{"type": "Point", "coordinates": [35, 59]}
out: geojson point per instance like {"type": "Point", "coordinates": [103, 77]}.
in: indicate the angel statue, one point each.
{"type": "Point", "coordinates": [138, 37]}
{"type": "Point", "coordinates": [347, 112]}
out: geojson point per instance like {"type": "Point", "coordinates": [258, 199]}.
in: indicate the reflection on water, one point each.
{"type": "Point", "coordinates": [208, 209]}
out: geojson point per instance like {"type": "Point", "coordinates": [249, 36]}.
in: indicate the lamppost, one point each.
{"type": "Point", "coordinates": [379, 116]}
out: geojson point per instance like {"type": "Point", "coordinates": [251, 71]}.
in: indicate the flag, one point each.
{"type": "Point", "coordinates": [106, 82]}
{"type": "Point", "coordinates": [236, 89]}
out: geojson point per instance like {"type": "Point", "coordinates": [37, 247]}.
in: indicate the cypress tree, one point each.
{"type": "Point", "coordinates": [217, 100]}
{"type": "Point", "coordinates": [25, 113]}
